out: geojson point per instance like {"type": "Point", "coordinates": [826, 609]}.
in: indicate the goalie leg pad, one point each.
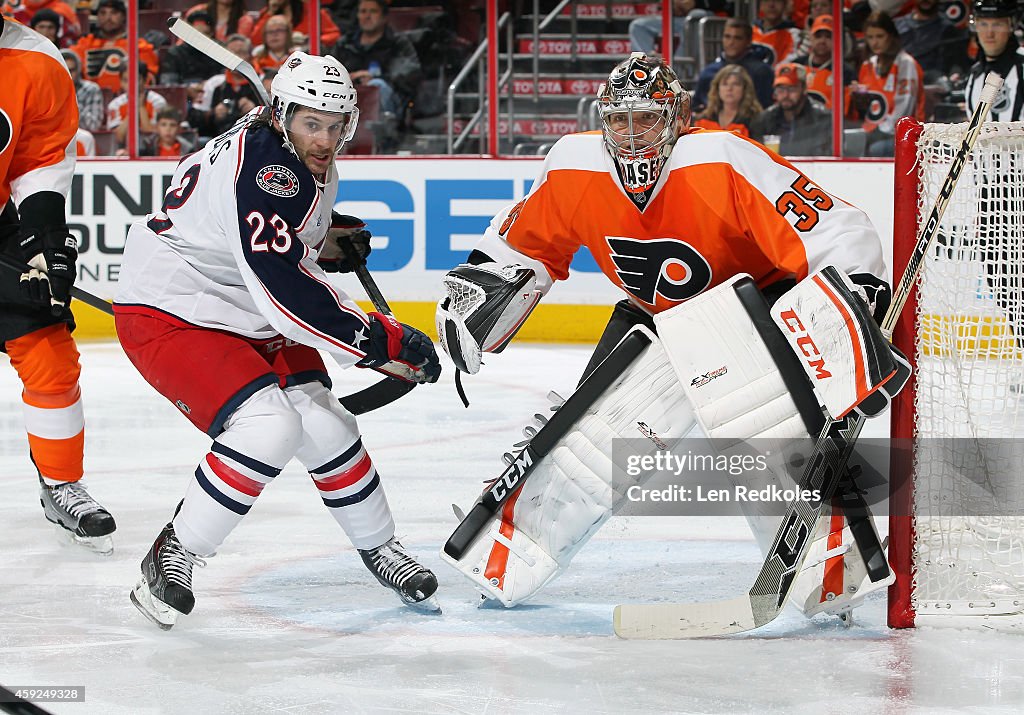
{"type": "Point", "coordinates": [739, 392]}
{"type": "Point", "coordinates": [569, 494]}
{"type": "Point", "coordinates": [484, 309]}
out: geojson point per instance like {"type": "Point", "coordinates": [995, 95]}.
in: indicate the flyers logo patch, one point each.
{"type": "Point", "coordinates": [667, 267]}
{"type": "Point", "coordinates": [278, 180]}
{"type": "Point", "coordinates": [6, 131]}
{"type": "Point", "coordinates": [878, 106]}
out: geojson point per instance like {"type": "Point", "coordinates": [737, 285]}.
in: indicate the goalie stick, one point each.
{"type": "Point", "coordinates": [511, 480]}
{"type": "Point", "coordinates": [823, 471]}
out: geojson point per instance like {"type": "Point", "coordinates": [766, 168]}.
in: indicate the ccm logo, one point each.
{"type": "Point", "coordinates": [806, 345]}
{"type": "Point", "coordinates": [331, 95]}
{"type": "Point", "coordinates": [508, 481]}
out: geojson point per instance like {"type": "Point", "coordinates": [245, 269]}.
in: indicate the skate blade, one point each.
{"type": "Point", "coordinates": [102, 545]}
{"type": "Point", "coordinates": [152, 608]}
{"type": "Point", "coordinates": [428, 605]}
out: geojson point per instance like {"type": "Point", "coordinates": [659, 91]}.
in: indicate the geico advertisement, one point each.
{"type": "Point", "coordinates": [425, 215]}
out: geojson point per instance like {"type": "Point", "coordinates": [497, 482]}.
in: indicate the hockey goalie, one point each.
{"type": "Point", "coordinates": [702, 231]}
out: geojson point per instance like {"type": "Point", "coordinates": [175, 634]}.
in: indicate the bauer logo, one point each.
{"type": "Point", "coordinates": [702, 380]}
{"type": "Point", "coordinates": [278, 180]}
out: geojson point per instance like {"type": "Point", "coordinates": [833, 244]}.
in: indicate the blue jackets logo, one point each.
{"type": "Point", "coordinates": [278, 180]}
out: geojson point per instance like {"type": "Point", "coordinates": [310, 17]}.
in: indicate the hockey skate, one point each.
{"type": "Point", "coordinates": [80, 518]}
{"type": "Point", "coordinates": [414, 584]}
{"type": "Point", "coordinates": [834, 579]}
{"type": "Point", "coordinates": [165, 589]}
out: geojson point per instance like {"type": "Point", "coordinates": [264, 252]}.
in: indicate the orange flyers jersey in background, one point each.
{"type": "Point", "coordinates": [38, 117]}
{"type": "Point", "coordinates": [102, 59]}
{"type": "Point", "coordinates": [897, 93]}
{"type": "Point", "coordinates": [723, 205]}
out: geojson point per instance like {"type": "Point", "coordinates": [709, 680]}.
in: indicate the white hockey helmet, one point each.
{"type": "Point", "coordinates": [320, 83]}
{"type": "Point", "coordinates": [641, 87]}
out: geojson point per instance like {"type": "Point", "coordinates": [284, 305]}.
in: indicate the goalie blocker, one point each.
{"type": "Point", "coordinates": [566, 493]}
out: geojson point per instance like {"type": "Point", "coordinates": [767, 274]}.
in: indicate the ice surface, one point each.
{"type": "Point", "coordinates": [288, 620]}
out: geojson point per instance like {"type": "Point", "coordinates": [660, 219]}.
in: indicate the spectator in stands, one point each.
{"type": "Point", "coordinates": [167, 141]}
{"type": "Point", "coordinates": [91, 106]}
{"type": "Point", "coordinates": [48, 24]}
{"type": "Point", "coordinates": [732, 102]}
{"type": "Point", "coordinates": [68, 27]}
{"type": "Point", "coordinates": [890, 85]}
{"type": "Point", "coordinates": [819, 63]}
{"type": "Point", "coordinates": [737, 37]}
{"type": "Point", "coordinates": [374, 55]}
{"type": "Point", "coordinates": [776, 32]}
{"type": "Point", "coordinates": [230, 95]}
{"type": "Point", "coordinates": [149, 103]}
{"type": "Point", "coordinates": [183, 64]}
{"type": "Point", "coordinates": [645, 32]}
{"type": "Point", "coordinates": [104, 52]}
{"type": "Point", "coordinates": [267, 78]}
{"type": "Point", "coordinates": [277, 44]}
{"type": "Point", "coordinates": [229, 17]}
{"type": "Point", "coordinates": [933, 40]}
{"type": "Point", "coordinates": [294, 11]}
{"type": "Point", "coordinates": [85, 143]}
{"type": "Point", "coordinates": [804, 127]}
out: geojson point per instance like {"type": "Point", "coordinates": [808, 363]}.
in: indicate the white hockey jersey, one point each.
{"type": "Point", "coordinates": [235, 244]}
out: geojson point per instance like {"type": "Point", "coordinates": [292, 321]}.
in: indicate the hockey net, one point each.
{"type": "Point", "coordinates": [956, 533]}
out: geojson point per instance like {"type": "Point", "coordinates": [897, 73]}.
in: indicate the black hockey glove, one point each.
{"type": "Point", "coordinates": [400, 351]}
{"type": "Point", "coordinates": [348, 244]}
{"type": "Point", "coordinates": [51, 253]}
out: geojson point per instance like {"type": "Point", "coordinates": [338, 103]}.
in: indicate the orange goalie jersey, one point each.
{"type": "Point", "coordinates": [723, 205]}
{"type": "Point", "coordinates": [38, 119]}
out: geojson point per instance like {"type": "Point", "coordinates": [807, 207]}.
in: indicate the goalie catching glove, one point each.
{"type": "Point", "coordinates": [347, 236]}
{"type": "Point", "coordinates": [484, 309]}
{"type": "Point", "coordinates": [401, 351]}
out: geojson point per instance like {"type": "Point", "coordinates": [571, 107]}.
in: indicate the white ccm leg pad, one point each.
{"type": "Point", "coordinates": [735, 387]}
{"type": "Point", "coordinates": [568, 496]}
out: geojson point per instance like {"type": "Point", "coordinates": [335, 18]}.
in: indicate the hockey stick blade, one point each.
{"type": "Point", "coordinates": [511, 480]}
{"type": "Point", "coordinates": [823, 471]}
{"type": "Point", "coordinates": [191, 36]}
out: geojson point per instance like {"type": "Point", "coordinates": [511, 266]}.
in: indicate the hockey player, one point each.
{"type": "Point", "coordinates": [222, 306]}
{"type": "Point", "coordinates": [38, 122]}
{"type": "Point", "coordinates": [669, 213]}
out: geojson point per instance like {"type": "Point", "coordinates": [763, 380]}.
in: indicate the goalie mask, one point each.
{"type": "Point", "coordinates": [485, 307]}
{"type": "Point", "coordinates": [641, 105]}
{"type": "Point", "coordinates": [318, 83]}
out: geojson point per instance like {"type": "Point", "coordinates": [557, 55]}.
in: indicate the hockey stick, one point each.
{"type": "Point", "coordinates": [823, 472]}
{"type": "Point", "coordinates": [76, 292]}
{"type": "Point", "coordinates": [191, 36]}
{"type": "Point", "coordinates": [389, 389]}
{"type": "Point", "coordinates": [510, 481]}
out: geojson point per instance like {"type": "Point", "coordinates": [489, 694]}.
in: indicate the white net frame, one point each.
{"type": "Point", "coordinates": [968, 489]}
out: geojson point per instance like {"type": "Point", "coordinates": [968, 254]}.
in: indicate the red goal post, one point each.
{"type": "Point", "coordinates": [956, 530]}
